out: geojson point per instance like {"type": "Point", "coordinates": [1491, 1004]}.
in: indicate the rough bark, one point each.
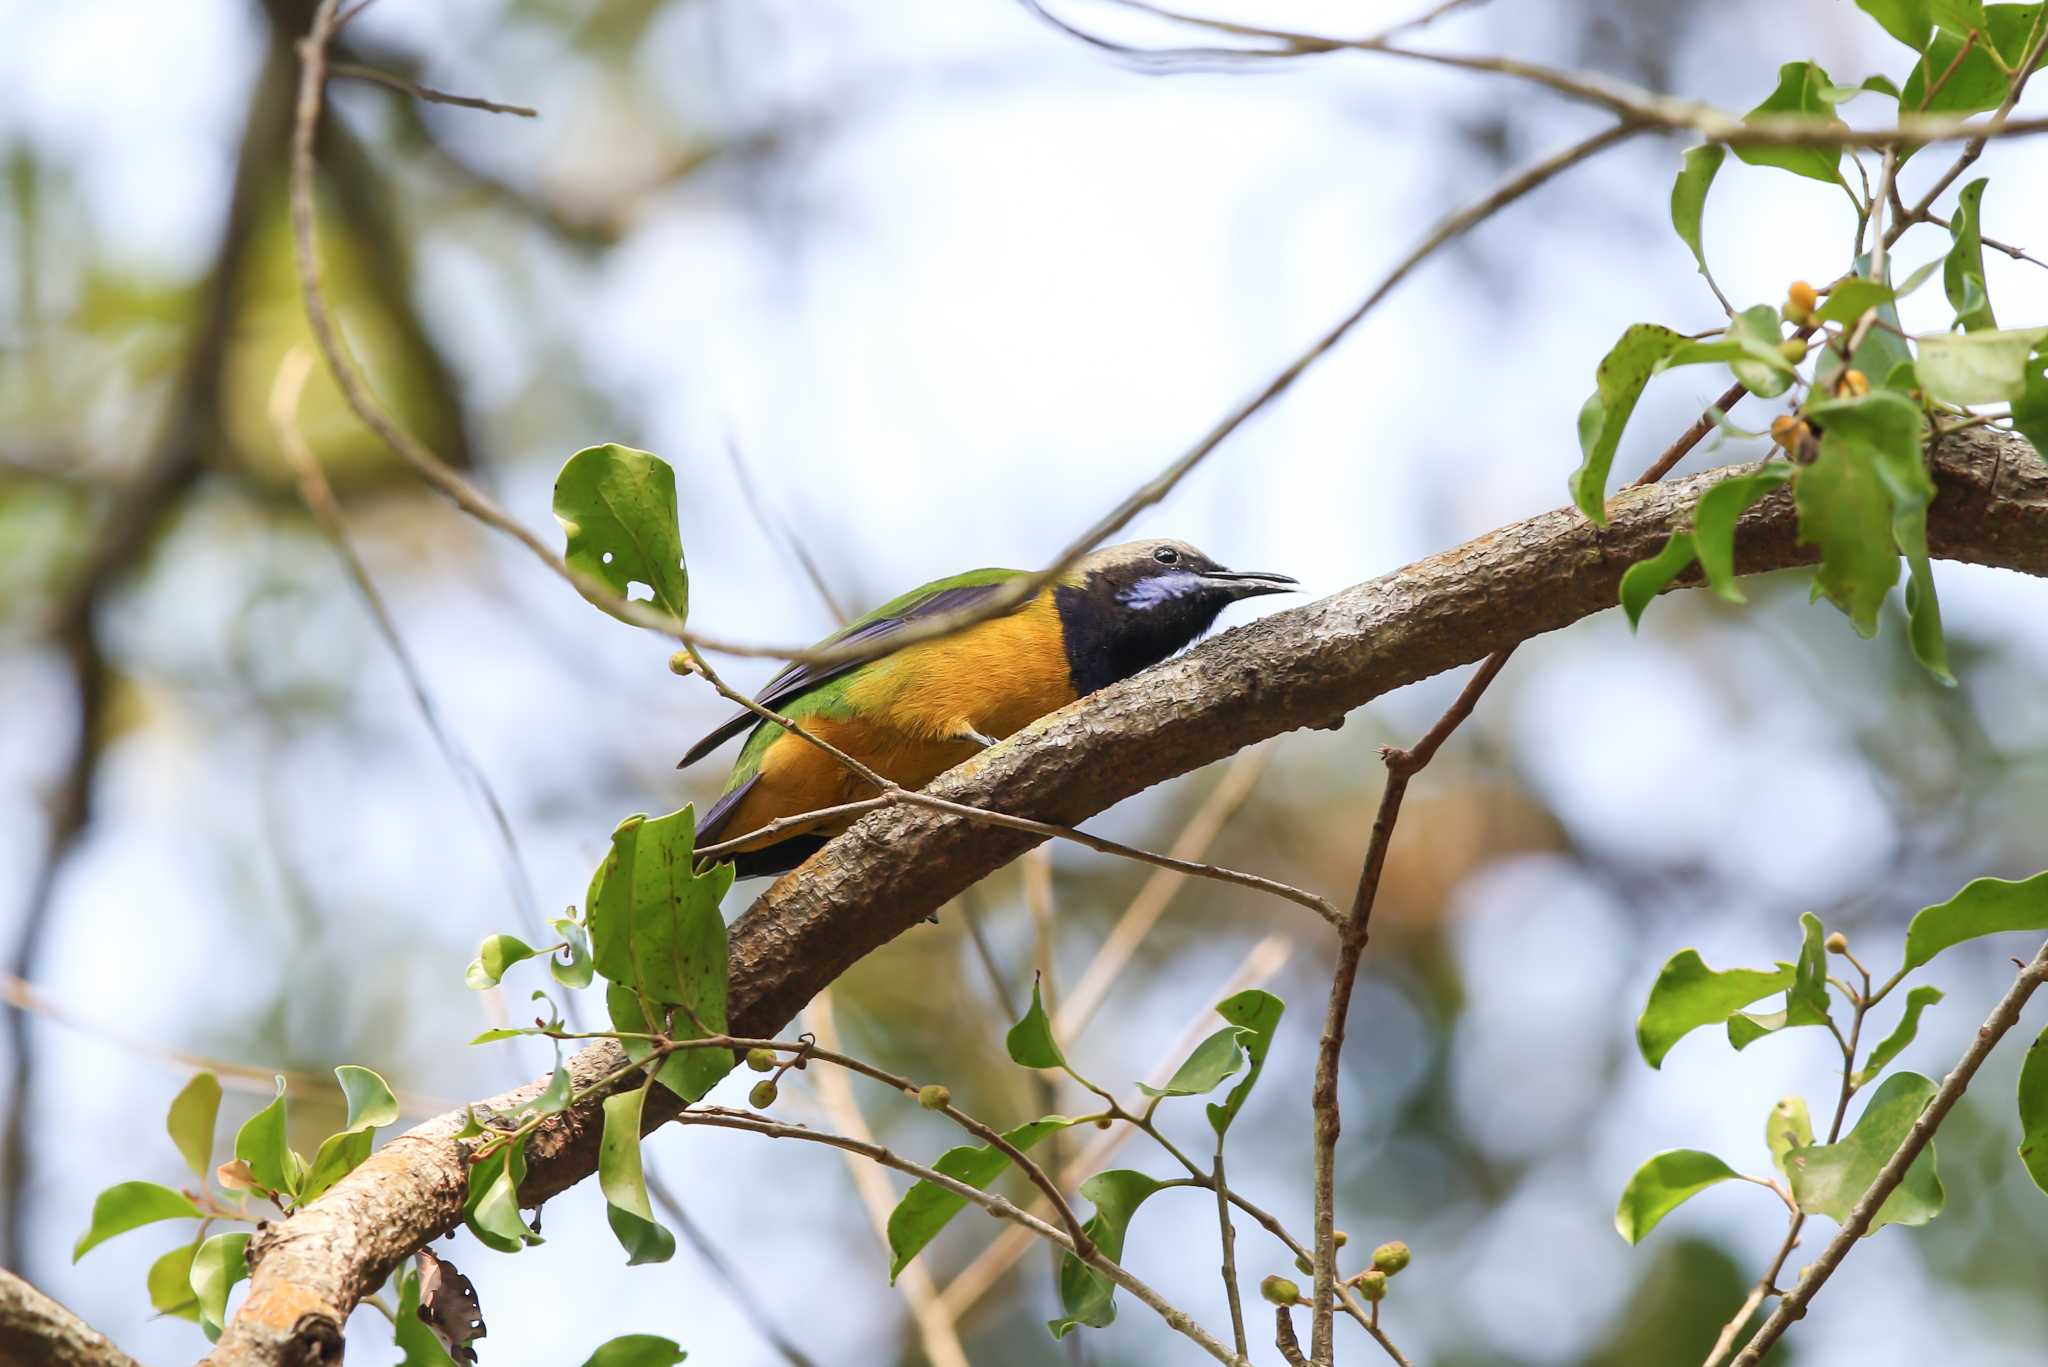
{"type": "Point", "coordinates": [35, 1329]}
{"type": "Point", "coordinates": [1306, 667]}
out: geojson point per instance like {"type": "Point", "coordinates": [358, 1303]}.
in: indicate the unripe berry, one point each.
{"type": "Point", "coordinates": [1340, 1237]}
{"type": "Point", "coordinates": [1305, 1267]}
{"type": "Point", "coordinates": [1371, 1285]}
{"type": "Point", "coordinates": [1390, 1257]}
{"type": "Point", "coordinates": [1793, 349]}
{"type": "Point", "coordinates": [763, 1095]}
{"type": "Point", "coordinates": [681, 663]}
{"type": "Point", "coordinates": [1280, 1291]}
{"type": "Point", "coordinates": [1837, 943]}
{"type": "Point", "coordinates": [761, 1060]}
{"type": "Point", "coordinates": [934, 1097]}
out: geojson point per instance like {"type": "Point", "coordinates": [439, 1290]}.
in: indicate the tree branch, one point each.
{"type": "Point", "coordinates": [1301, 668]}
{"type": "Point", "coordinates": [34, 1328]}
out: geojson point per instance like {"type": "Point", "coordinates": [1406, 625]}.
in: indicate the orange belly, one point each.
{"type": "Point", "coordinates": [904, 715]}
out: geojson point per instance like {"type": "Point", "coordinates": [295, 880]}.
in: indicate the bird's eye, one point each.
{"type": "Point", "coordinates": [1166, 555]}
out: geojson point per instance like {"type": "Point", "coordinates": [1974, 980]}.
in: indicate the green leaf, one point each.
{"type": "Point", "coordinates": [1806, 998]}
{"type": "Point", "coordinates": [1886, 428]}
{"type": "Point", "coordinates": [1030, 1040]}
{"type": "Point", "coordinates": [1977, 367]}
{"type": "Point", "coordinates": [131, 1205]}
{"type": "Point", "coordinates": [190, 1121]}
{"type": "Point", "coordinates": [1829, 1179]}
{"type": "Point", "coordinates": [504, 1032]}
{"type": "Point", "coordinates": [492, 1207]}
{"type": "Point", "coordinates": [1763, 369]}
{"type": "Point", "coordinates": [1688, 995]}
{"type": "Point", "coordinates": [678, 1072]}
{"type": "Point", "coordinates": [1801, 91]}
{"type": "Point", "coordinates": [370, 1107]}
{"type": "Point", "coordinates": [421, 1346]}
{"type": "Point", "coordinates": [554, 1098]}
{"type": "Point", "coordinates": [1959, 17]}
{"type": "Point", "coordinates": [636, 1350]}
{"type": "Point", "coordinates": [1713, 523]}
{"type": "Point", "coordinates": [170, 1284]}
{"type": "Point", "coordinates": [577, 969]}
{"type": "Point", "coordinates": [2034, 1110]}
{"type": "Point", "coordinates": [655, 928]}
{"type": "Point", "coordinates": [1645, 579]}
{"type": "Point", "coordinates": [1970, 80]}
{"type": "Point", "coordinates": [1257, 1013]}
{"type": "Point", "coordinates": [1848, 300]}
{"type": "Point", "coordinates": [1689, 196]}
{"type": "Point", "coordinates": [1789, 1127]}
{"type": "Point", "coordinates": [926, 1207]}
{"type": "Point", "coordinates": [625, 1188]}
{"type": "Point", "coordinates": [1985, 906]}
{"type": "Point", "coordinates": [618, 507]}
{"type": "Point", "coordinates": [1662, 1184]}
{"type": "Point", "coordinates": [1213, 1060]}
{"type": "Point", "coordinates": [261, 1143]}
{"type": "Point", "coordinates": [498, 953]}
{"type": "Point", "coordinates": [2030, 409]}
{"type": "Point", "coordinates": [1918, 1000]}
{"type": "Point", "coordinates": [1964, 265]}
{"type": "Point", "coordinates": [1845, 511]}
{"type": "Point", "coordinates": [1088, 1295]}
{"type": "Point", "coordinates": [217, 1265]}
{"type": "Point", "coordinates": [1618, 383]}
{"type": "Point", "coordinates": [1906, 20]}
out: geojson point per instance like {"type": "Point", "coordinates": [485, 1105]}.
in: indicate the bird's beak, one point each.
{"type": "Point", "coordinates": [1251, 583]}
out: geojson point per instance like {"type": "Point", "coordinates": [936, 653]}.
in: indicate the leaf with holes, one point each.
{"type": "Point", "coordinates": [618, 509]}
{"type": "Point", "coordinates": [655, 930]}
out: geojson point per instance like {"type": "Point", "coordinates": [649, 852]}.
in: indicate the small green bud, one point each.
{"type": "Point", "coordinates": [1390, 1257]}
{"type": "Point", "coordinates": [1280, 1291]}
{"type": "Point", "coordinates": [763, 1095]}
{"type": "Point", "coordinates": [1340, 1237]}
{"type": "Point", "coordinates": [681, 663]}
{"type": "Point", "coordinates": [1837, 943]}
{"type": "Point", "coordinates": [761, 1060]}
{"type": "Point", "coordinates": [1305, 1267]}
{"type": "Point", "coordinates": [934, 1097]}
{"type": "Point", "coordinates": [1371, 1285]}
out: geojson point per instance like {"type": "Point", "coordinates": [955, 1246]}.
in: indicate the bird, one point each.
{"type": "Point", "coordinates": [911, 712]}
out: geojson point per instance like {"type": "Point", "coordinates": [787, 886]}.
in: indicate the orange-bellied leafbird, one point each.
{"type": "Point", "coordinates": [910, 713]}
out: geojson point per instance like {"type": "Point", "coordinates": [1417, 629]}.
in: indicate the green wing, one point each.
{"type": "Point", "coordinates": [805, 682]}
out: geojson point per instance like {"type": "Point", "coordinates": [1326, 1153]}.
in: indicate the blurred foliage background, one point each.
{"type": "Point", "coordinates": [923, 287]}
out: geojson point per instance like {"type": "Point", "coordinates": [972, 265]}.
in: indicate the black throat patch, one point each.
{"type": "Point", "coordinates": [1120, 622]}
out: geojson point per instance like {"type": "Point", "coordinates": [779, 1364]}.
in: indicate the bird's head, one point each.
{"type": "Point", "coordinates": [1129, 606]}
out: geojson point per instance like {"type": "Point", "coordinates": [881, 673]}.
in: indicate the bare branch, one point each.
{"type": "Point", "coordinates": [34, 1328]}
{"type": "Point", "coordinates": [358, 72]}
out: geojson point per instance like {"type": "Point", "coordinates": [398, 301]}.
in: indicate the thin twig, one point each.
{"type": "Point", "coordinates": [2002, 1018]}
{"type": "Point", "coordinates": [1175, 1317]}
{"type": "Point", "coordinates": [357, 72]}
{"type": "Point", "coordinates": [318, 494]}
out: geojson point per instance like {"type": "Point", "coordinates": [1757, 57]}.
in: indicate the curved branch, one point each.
{"type": "Point", "coordinates": [1303, 668]}
{"type": "Point", "coordinates": [34, 1328]}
